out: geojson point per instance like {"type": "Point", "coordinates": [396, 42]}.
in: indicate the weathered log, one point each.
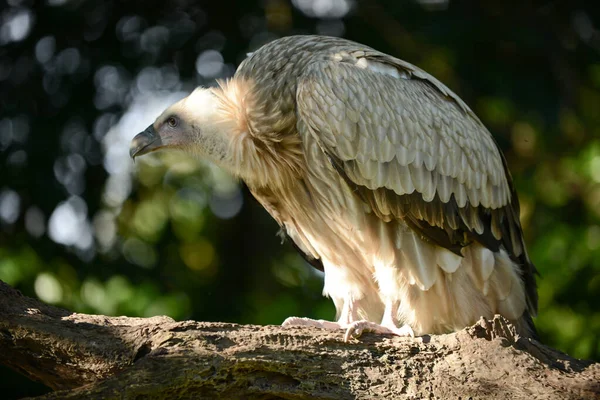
{"type": "Point", "coordinates": [92, 357]}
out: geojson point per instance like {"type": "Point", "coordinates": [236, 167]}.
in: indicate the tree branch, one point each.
{"type": "Point", "coordinates": [90, 356]}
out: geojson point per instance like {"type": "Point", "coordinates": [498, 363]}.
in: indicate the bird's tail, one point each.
{"type": "Point", "coordinates": [526, 327]}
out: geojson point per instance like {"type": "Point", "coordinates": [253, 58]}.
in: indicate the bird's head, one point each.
{"type": "Point", "coordinates": [213, 124]}
{"type": "Point", "coordinates": [195, 124]}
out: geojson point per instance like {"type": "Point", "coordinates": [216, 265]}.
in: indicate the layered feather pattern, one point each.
{"type": "Point", "coordinates": [402, 185]}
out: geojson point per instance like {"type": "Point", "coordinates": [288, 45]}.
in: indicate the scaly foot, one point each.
{"type": "Point", "coordinates": [353, 329]}
{"type": "Point", "coordinates": [356, 328]}
{"type": "Point", "coordinates": [318, 323]}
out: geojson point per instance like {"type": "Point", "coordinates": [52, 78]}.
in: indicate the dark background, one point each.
{"type": "Point", "coordinates": [84, 228]}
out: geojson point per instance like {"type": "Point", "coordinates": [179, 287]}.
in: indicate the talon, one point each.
{"type": "Point", "coordinates": [405, 331]}
{"type": "Point", "coordinates": [347, 336]}
{"type": "Point", "coordinates": [357, 328]}
{"type": "Point", "coordinates": [350, 332]}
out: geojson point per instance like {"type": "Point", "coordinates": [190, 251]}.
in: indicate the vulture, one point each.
{"type": "Point", "coordinates": [379, 174]}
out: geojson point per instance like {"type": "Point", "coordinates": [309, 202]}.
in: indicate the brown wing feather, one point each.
{"type": "Point", "coordinates": [459, 189]}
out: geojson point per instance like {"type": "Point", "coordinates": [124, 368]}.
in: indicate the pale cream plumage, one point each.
{"type": "Point", "coordinates": [380, 174]}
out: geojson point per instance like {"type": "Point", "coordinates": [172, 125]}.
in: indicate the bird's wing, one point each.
{"type": "Point", "coordinates": [302, 246]}
{"type": "Point", "coordinates": [414, 151]}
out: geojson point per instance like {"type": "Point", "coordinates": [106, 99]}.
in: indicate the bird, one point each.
{"type": "Point", "coordinates": [378, 173]}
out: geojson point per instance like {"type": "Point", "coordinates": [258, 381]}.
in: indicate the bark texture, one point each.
{"type": "Point", "coordinates": [97, 357]}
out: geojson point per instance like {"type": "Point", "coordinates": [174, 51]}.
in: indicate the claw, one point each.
{"type": "Point", "coordinates": [353, 330]}
{"type": "Point", "coordinates": [404, 331]}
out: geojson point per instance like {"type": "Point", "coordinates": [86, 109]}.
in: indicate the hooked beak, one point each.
{"type": "Point", "coordinates": [145, 142]}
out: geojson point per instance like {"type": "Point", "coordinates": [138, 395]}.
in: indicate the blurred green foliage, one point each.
{"type": "Point", "coordinates": [82, 228]}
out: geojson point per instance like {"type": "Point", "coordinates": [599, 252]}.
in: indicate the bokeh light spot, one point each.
{"type": "Point", "coordinates": [209, 63]}
{"type": "Point", "coordinates": [150, 218]}
{"type": "Point", "coordinates": [10, 206]}
{"type": "Point", "coordinates": [16, 25]}
{"type": "Point", "coordinates": [93, 294]}
{"type": "Point", "coordinates": [68, 224]}
{"type": "Point", "coordinates": [324, 8]}
{"type": "Point", "coordinates": [198, 255]}
{"type": "Point", "coordinates": [139, 252]}
{"type": "Point", "coordinates": [35, 222]}
{"type": "Point", "coordinates": [44, 49]}
{"type": "Point", "coordinates": [48, 288]}
{"type": "Point", "coordinates": [524, 139]}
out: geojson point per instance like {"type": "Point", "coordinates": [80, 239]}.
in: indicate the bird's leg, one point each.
{"type": "Point", "coordinates": [353, 327]}
{"type": "Point", "coordinates": [389, 324]}
{"type": "Point", "coordinates": [347, 317]}
{"type": "Point", "coordinates": [348, 314]}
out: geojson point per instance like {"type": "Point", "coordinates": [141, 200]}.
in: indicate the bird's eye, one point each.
{"type": "Point", "coordinates": [172, 121]}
